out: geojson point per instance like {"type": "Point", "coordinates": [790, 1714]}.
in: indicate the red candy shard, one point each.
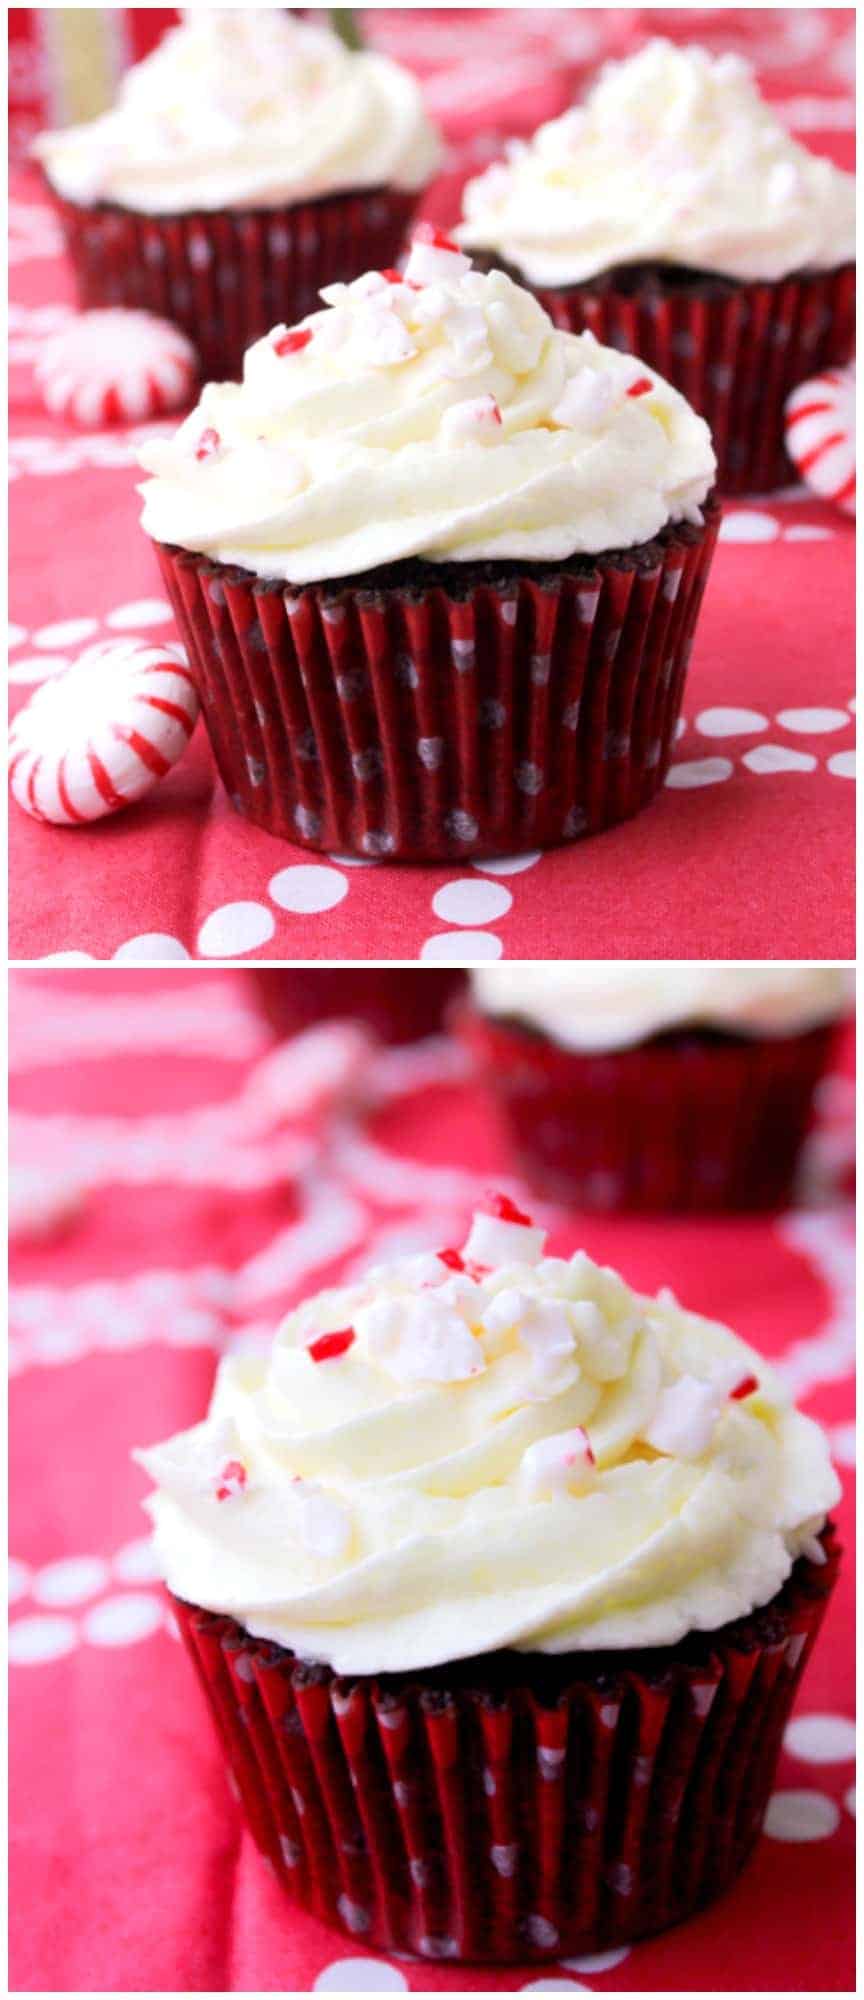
{"type": "Point", "coordinates": [426, 232]}
{"type": "Point", "coordinates": [453, 1259]}
{"type": "Point", "coordinates": [329, 1345]}
{"type": "Point", "coordinates": [392, 277]}
{"type": "Point", "coordinates": [232, 1479]}
{"type": "Point", "coordinates": [292, 341]}
{"type": "Point", "coordinates": [505, 1209]}
{"type": "Point", "coordinates": [477, 1271]}
{"type": "Point", "coordinates": [641, 387]}
{"type": "Point", "coordinates": [208, 442]}
{"type": "Point", "coordinates": [745, 1387]}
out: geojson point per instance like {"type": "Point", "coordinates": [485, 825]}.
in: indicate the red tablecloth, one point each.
{"type": "Point", "coordinates": [130, 1868]}
{"type": "Point", "coordinates": [749, 851]}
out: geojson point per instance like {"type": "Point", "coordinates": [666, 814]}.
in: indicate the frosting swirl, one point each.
{"type": "Point", "coordinates": [674, 158]}
{"type": "Point", "coordinates": [613, 1006]}
{"type": "Point", "coordinates": [441, 416]}
{"type": "Point", "coordinates": [247, 107]}
{"type": "Point", "coordinates": [484, 1449]}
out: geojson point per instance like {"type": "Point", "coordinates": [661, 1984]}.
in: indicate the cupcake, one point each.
{"type": "Point", "coordinates": [249, 160]}
{"type": "Point", "coordinates": [437, 567]}
{"type": "Point", "coordinates": [399, 1004]}
{"type": "Point", "coordinates": [498, 1580]}
{"type": "Point", "coordinates": [656, 1087]}
{"type": "Point", "coordinates": [674, 216]}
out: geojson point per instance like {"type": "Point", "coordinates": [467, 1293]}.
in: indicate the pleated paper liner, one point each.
{"type": "Point", "coordinates": [443, 711]}
{"type": "Point", "coordinates": [735, 350]}
{"type": "Point", "coordinates": [400, 1006]}
{"type": "Point", "coordinates": [687, 1121]}
{"type": "Point", "coordinates": [512, 1808]}
{"type": "Point", "coordinates": [227, 278]}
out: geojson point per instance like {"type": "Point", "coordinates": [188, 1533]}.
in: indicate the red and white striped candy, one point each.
{"type": "Point", "coordinates": [101, 734]}
{"type": "Point", "coordinates": [114, 367]}
{"type": "Point", "coordinates": [820, 434]}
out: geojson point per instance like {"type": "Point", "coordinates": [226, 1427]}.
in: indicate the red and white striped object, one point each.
{"type": "Point", "coordinates": [114, 367]}
{"type": "Point", "coordinates": [101, 735]}
{"type": "Point", "coordinates": [820, 434]}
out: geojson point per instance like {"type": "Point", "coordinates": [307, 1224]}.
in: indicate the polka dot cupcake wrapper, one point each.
{"type": "Point", "coordinates": [396, 1008]}
{"type": "Point", "coordinates": [680, 1124]}
{"type": "Point", "coordinates": [736, 356]}
{"type": "Point", "coordinates": [227, 278]}
{"type": "Point", "coordinates": [416, 722]}
{"type": "Point", "coordinates": [457, 1817]}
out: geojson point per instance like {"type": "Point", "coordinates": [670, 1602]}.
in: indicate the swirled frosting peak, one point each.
{"type": "Point", "coordinates": [436, 414]}
{"type": "Point", "coordinates": [247, 107]}
{"type": "Point", "coordinates": [673, 158]}
{"type": "Point", "coordinates": [488, 1447]}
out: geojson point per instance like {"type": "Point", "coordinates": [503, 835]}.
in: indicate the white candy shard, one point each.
{"type": "Point", "coordinates": [544, 1328]}
{"type": "Point", "coordinates": [475, 421]}
{"type": "Point", "coordinates": [683, 1422]}
{"type": "Point", "coordinates": [419, 1340]}
{"type": "Point", "coordinates": [493, 1241]}
{"type": "Point", "coordinates": [586, 401]}
{"type": "Point", "coordinates": [382, 338]}
{"type": "Point", "coordinates": [324, 1522]}
{"type": "Point", "coordinates": [563, 1463]}
{"type": "Point", "coordinates": [431, 264]}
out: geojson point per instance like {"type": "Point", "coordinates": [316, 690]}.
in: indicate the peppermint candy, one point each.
{"type": "Point", "coordinates": [101, 735]}
{"type": "Point", "coordinates": [115, 367]}
{"type": "Point", "coordinates": [562, 1463]}
{"type": "Point", "coordinates": [820, 434]}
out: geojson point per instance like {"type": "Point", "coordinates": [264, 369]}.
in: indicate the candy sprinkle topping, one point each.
{"type": "Point", "coordinates": [232, 1479]}
{"type": "Point", "coordinates": [745, 1387]}
{"type": "Point", "coordinates": [292, 341]}
{"type": "Point", "coordinates": [641, 387]}
{"type": "Point", "coordinates": [208, 443]}
{"type": "Point", "coordinates": [329, 1346]}
{"type": "Point", "coordinates": [505, 1209]}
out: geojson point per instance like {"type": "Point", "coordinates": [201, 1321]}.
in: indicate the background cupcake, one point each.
{"type": "Point", "coordinates": [400, 1005]}
{"type": "Point", "coordinates": [674, 216]}
{"type": "Point", "coordinates": [499, 1579]}
{"type": "Point", "coordinates": [437, 567]}
{"type": "Point", "coordinates": [674, 1087]}
{"type": "Point", "coordinates": [249, 160]}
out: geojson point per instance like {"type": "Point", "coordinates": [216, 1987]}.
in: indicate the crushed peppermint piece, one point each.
{"type": "Point", "coordinates": [505, 1209]}
{"type": "Point", "coordinates": [329, 1345]}
{"type": "Point", "coordinates": [743, 1388]}
{"type": "Point", "coordinates": [563, 1463]}
{"type": "Point", "coordinates": [453, 1259]}
{"type": "Point", "coordinates": [477, 420]}
{"type": "Point", "coordinates": [208, 443]}
{"type": "Point", "coordinates": [586, 400]}
{"type": "Point", "coordinates": [232, 1479]}
{"type": "Point", "coordinates": [685, 1417]}
{"type": "Point", "coordinates": [428, 232]}
{"type": "Point", "coordinates": [291, 342]}
{"type": "Point", "coordinates": [496, 1239]}
{"type": "Point", "coordinates": [434, 256]}
{"type": "Point", "coordinates": [420, 1340]}
{"type": "Point", "coordinates": [642, 386]}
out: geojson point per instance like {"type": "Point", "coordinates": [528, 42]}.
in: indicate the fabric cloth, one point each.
{"type": "Point", "coordinates": [748, 851]}
{"type": "Point", "coordinates": [200, 1185]}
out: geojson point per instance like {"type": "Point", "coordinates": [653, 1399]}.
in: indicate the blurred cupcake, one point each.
{"type": "Point", "coordinates": [437, 567]}
{"type": "Point", "coordinates": [656, 1087]}
{"type": "Point", "coordinates": [251, 159]}
{"type": "Point", "coordinates": [674, 216]}
{"type": "Point", "coordinates": [403, 1004]}
{"type": "Point", "coordinates": [499, 1580]}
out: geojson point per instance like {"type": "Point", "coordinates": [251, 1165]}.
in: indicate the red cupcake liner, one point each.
{"type": "Point", "coordinates": [735, 354]}
{"type": "Point", "coordinates": [442, 718]}
{"type": "Point", "coordinates": [512, 1808]}
{"type": "Point", "coordinates": [399, 1006]}
{"type": "Point", "coordinates": [227, 278]}
{"type": "Point", "coordinates": [683, 1122]}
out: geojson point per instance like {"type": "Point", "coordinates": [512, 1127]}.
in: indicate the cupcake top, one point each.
{"type": "Point", "coordinates": [439, 415]}
{"type": "Point", "coordinates": [247, 107]}
{"type": "Point", "coordinates": [614, 1005]}
{"type": "Point", "coordinates": [674, 158]}
{"type": "Point", "coordinates": [489, 1447]}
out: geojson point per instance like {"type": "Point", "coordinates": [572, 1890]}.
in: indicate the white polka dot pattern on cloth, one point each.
{"type": "Point", "coordinates": [508, 864]}
{"type": "Point", "coordinates": [812, 721]}
{"type": "Point", "coordinates": [33, 1641]}
{"type": "Point", "coordinates": [468, 901]}
{"type": "Point", "coordinates": [748, 525]}
{"type": "Point", "coordinates": [70, 632]}
{"type": "Point", "coordinates": [729, 721]}
{"type": "Point", "coordinates": [70, 1581]}
{"type": "Point", "coordinates": [801, 1816]}
{"type": "Point", "coordinates": [768, 759]}
{"type": "Point", "coordinates": [235, 928]}
{"type": "Point", "coordinates": [120, 1621]}
{"type": "Point", "coordinates": [460, 947]}
{"type": "Point", "coordinates": [360, 1975]}
{"type": "Point", "coordinates": [144, 611]}
{"type": "Point", "coordinates": [703, 771]}
{"type": "Point", "coordinates": [149, 946]}
{"type": "Point", "coordinates": [598, 1961]}
{"type": "Point", "coordinates": [821, 1739]}
{"type": "Point", "coordinates": [307, 888]}
{"type": "Point", "coordinates": [842, 764]}
{"type": "Point", "coordinates": [843, 1442]}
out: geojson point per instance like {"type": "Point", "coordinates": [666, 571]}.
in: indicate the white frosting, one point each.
{"type": "Point", "coordinates": [247, 108]}
{"type": "Point", "coordinates": [673, 158]}
{"type": "Point", "coordinates": [446, 419]}
{"type": "Point", "coordinates": [433, 1464]}
{"type": "Point", "coordinates": [612, 1005]}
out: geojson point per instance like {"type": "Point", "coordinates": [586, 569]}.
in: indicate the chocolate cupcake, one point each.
{"type": "Point", "coordinates": [498, 1580]}
{"type": "Point", "coordinates": [674, 216]}
{"type": "Point", "coordinates": [401, 1004]}
{"type": "Point", "coordinates": [250, 159]}
{"type": "Point", "coordinates": [437, 568]}
{"type": "Point", "coordinates": [656, 1087]}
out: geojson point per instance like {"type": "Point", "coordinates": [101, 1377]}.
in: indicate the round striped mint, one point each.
{"type": "Point", "coordinates": [102, 734]}
{"type": "Point", "coordinates": [820, 434]}
{"type": "Point", "coordinates": [114, 367]}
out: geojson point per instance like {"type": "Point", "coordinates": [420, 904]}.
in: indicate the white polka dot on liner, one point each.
{"type": "Point", "coordinates": [120, 1621]}
{"type": "Point", "coordinates": [766, 758]}
{"type": "Point", "coordinates": [749, 526]}
{"type": "Point", "coordinates": [842, 1439]}
{"type": "Point", "coordinates": [35, 667]}
{"type": "Point", "coordinates": [730, 721]}
{"type": "Point", "coordinates": [598, 1961]}
{"type": "Point", "coordinates": [16, 635]}
{"type": "Point", "coordinates": [70, 1581]}
{"type": "Point", "coordinates": [842, 764]}
{"type": "Point", "coordinates": [801, 1816]}
{"type": "Point", "coordinates": [70, 632]}
{"type": "Point", "coordinates": [17, 1580]}
{"type": "Point", "coordinates": [35, 1640]}
{"type": "Point", "coordinates": [461, 947]}
{"type": "Point", "coordinates": [703, 771]}
{"type": "Point", "coordinates": [149, 946]}
{"type": "Point", "coordinates": [812, 721]}
{"type": "Point", "coordinates": [468, 901]}
{"type": "Point", "coordinates": [235, 927]}
{"type": "Point", "coordinates": [508, 864]}
{"type": "Point", "coordinates": [821, 1739]}
{"type": "Point", "coordinates": [849, 1800]}
{"type": "Point", "coordinates": [135, 1562]}
{"type": "Point", "coordinates": [307, 888]}
{"type": "Point", "coordinates": [145, 611]}
{"type": "Point", "coordinates": [360, 1975]}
